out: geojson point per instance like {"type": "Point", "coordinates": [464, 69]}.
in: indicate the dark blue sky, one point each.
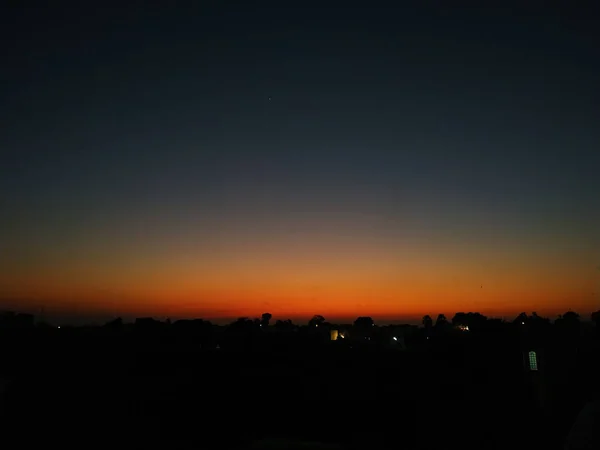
{"type": "Point", "coordinates": [469, 119]}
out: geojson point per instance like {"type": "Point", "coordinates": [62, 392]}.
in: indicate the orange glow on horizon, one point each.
{"type": "Point", "coordinates": [296, 277]}
{"type": "Point", "coordinates": [295, 298]}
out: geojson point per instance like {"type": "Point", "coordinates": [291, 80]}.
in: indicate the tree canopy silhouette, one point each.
{"type": "Point", "coordinates": [364, 322]}
{"type": "Point", "coordinates": [265, 318]}
{"type": "Point", "coordinates": [284, 325]}
{"type": "Point", "coordinates": [441, 321]}
{"type": "Point", "coordinates": [427, 322]}
{"type": "Point", "coordinates": [521, 319]}
{"type": "Point", "coordinates": [316, 320]}
{"type": "Point", "coordinates": [473, 320]}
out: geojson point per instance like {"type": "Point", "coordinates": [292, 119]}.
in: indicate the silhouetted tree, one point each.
{"type": "Point", "coordinates": [316, 320]}
{"type": "Point", "coordinates": [537, 320]}
{"type": "Point", "coordinates": [364, 322]}
{"type": "Point", "coordinates": [427, 322]}
{"type": "Point", "coordinates": [241, 324]}
{"type": "Point", "coordinates": [265, 318]}
{"type": "Point", "coordinates": [473, 320]}
{"type": "Point", "coordinates": [539, 325]}
{"type": "Point", "coordinates": [521, 319]}
{"type": "Point", "coordinates": [441, 324]}
{"type": "Point", "coordinates": [460, 318]}
{"type": "Point", "coordinates": [568, 326]}
{"type": "Point", "coordinates": [596, 318]}
{"type": "Point", "coordinates": [477, 320]}
{"type": "Point", "coordinates": [571, 317]}
{"type": "Point", "coordinates": [284, 325]}
{"type": "Point", "coordinates": [441, 321]}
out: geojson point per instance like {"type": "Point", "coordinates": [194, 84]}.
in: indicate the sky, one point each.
{"type": "Point", "coordinates": [227, 160]}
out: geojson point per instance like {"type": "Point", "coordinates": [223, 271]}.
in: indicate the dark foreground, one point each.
{"type": "Point", "coordinates": [90, 395]}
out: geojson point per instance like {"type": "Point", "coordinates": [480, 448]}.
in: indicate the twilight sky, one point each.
{"type": "Point", "coordinates": [232, 160]}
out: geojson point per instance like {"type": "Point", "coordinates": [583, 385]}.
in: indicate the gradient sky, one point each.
{"type": "Point", "coordinates": [230, 160]}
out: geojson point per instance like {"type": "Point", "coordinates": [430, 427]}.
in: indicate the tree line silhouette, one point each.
{"type": "Point", "coordinates": [438, 374]}
{"type": "Point", "coordinates": [467, 321]}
